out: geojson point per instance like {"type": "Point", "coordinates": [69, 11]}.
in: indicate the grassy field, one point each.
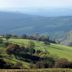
{"type": "Point", "coordinates": [54, 49]}
{"type": "Point", "coordinates": [37, 70]}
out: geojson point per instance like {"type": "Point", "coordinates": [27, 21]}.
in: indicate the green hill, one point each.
{"type": "Point", "coordinates": [18, 58]}
{"type": "Point", "coordinates": [54, 49]}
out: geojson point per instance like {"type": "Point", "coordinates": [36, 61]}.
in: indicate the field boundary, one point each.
{"type": "Point", "coordinates": [36, 70]}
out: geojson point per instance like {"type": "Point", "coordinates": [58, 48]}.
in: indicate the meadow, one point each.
{"type": "Point", "coordinates": [47, 50]}
{"type": "Point", "coordinates": [54, 49]}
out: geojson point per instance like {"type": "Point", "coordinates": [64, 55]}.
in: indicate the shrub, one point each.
{"type": "Point", "coordinates": [1, 41]}
{"type": "Point", "coordinates": [45, 63]}
{"type": "Point", "coordinates": [13, 49]}
{"type": "Point", "coordinates": [30, 44]}
{"type": "Point", "coordinates": [38, 52]}
{"type": "Point", "coordinates": [13, 46]}
{"type": "Point", "coordinates": [7, 36]}
{"type": "Point", "coordinates": [30, 47]}
{"type": "Point", "coordinates": [17, 50]}
{"type": "Point", "coordinates": [5, 65]}
{"type": "Point", "coordinates": [40, 64]}
{"type": "Point", "coordinates": [62, 63]}
{"type": "Point", "coordinates": [6, 44]}
{"type": "Point", "coordinates": [18, 65]}
{"type": "Point", "coordinates": [46, 42]}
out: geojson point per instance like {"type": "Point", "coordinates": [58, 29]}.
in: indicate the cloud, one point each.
{"type": "Point", "coordinates": [34, 3]}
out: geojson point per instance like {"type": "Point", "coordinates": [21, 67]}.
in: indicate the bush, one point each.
{"type": "Point", "coordinates": [18, 50]}
{"type": "Point", "coordinates": [7, 36]}
{"type": "Point", "coordinates": [30, 47]}
{"type": "Point", "coordinates": [13, 46]}
{"type": "Point", "coordinates": [5, 65]}
{"type": "Point", "coordinates": [6, 44]}
{"type": "Point", "coordinates": [46, 42]}
{"type": "Point", "coordinates": [38, 52]}
{"type": "Point", "coordinates": [1, 41]}
{"type": "Point", "coordinates": [18, 65]}
{"type": "Point", "coordinates": [45, 63]}
{"type": "Point", "coordinates": [40, 64]}
{"type": "Point", "coordinates": [13, 49]}
{"type": "Point", "coordinates": [30, 44]}
{"type": "Point", "coordinates": [62, 63]}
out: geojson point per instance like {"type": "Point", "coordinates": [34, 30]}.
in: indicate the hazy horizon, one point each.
{"type": "Point", "coordinates": [18, 5]}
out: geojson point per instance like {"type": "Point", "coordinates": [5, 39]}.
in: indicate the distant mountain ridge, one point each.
{"type": "Point", "coordinates": [18, 23]}
{"type": "Point", "coordinates": [47, 12]}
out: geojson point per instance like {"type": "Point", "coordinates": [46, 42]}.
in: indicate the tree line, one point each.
{"type": "Point", "coordinates": [39, 37]}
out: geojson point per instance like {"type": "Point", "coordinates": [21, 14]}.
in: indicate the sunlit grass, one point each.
{"type": "Point", "coordinates": [54, 49]}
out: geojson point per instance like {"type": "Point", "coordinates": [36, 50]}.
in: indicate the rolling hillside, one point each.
{"type": "Point", "coordinates": [17, 53]}
{"type": "Point", "coordinates": [54, 49]}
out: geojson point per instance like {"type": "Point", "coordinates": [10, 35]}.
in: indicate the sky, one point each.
{"type": "Point", "coordinates": [26, 4]}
